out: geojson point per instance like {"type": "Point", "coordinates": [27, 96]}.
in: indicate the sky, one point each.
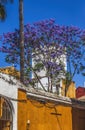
{"type": "Point", "coordinates": [65, 12]}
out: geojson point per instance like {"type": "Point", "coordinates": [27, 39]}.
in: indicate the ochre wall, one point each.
{"type": "Point", "coordinates": [71, 92]}
{"type": "Point", "coordinates": [10, 71]}
{"type": "Point", "coordinates": [42, 116]}
{"type": "Point", "coordinates": [0, 107]}
{"type": "Point", "coordinates": [48, 117]}
{"type": "Point", "coordinates": [22, 110]}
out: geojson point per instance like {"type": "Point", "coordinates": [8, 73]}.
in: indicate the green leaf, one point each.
{"type": "Point", "coordinates": [38, 67]}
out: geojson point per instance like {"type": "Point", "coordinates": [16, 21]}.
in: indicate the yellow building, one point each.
{"type": "Point", "coordinates": [43, 111]}
{"type": "Point", "coordinates": [10, 70]}
{"type": "Point", "coordinates": [24, 108]}
{"type": "Point", "coordinates": [71, 92]}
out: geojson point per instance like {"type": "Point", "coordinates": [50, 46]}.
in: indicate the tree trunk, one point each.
{"type": "Point", "coordinates": [65, 91]}
{"type": "Point", "coordinates": [21, 28]}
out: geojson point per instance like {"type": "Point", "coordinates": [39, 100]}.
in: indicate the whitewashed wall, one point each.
{"type": "Point", "coordinates": [11, 91]}
{"type": "Point", "coordinates": [44, 79]}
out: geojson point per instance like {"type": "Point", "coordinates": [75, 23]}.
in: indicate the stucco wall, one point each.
{"type": "Point", "coordinates": [71, 92]}
{"type": "Point", "coordinates": [22, 110]}
{"type": "Point", "coordinates": [9, 90]}
{"type": "Point", "coordinates": [40, 116]}
{"type": "Point", "coordinates": [48, 116]}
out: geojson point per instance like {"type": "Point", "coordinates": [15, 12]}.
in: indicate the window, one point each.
{"type": "Point", "coordinates": [5, 114]}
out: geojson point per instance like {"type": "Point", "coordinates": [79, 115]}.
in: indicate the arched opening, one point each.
{"type": "Point", "coordinates": [5, 114]}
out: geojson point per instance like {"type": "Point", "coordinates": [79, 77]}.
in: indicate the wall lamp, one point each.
{"type": "Point", "coordinates": [28, 124]}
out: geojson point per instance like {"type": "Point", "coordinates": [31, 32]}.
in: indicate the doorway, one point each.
{"type": "Point", "coordinates": [78, 119]}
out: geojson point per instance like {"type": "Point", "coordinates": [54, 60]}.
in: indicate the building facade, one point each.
{"type": "Point", "coordinates": [80, 92]}
{"type": "Point", "coordinates": [24, 108]}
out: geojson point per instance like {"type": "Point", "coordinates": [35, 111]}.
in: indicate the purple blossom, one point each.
{"type": "Point", "coordinates": [46, 42]}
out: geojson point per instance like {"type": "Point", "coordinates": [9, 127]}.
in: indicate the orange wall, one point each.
{"type": "Point", "coordinates": [22, 110]}
{"type": "Point", "coordinates": [10, 71]}
{"type": "Point", "coordinates": [71, 93]}
{"type": "Point", "coordinates": [0, 107]}
{"type": "Point", "coordinates": [42, 116]}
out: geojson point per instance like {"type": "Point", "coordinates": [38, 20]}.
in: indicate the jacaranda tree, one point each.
{"type": "Point", "coordinates": [58, 50]}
